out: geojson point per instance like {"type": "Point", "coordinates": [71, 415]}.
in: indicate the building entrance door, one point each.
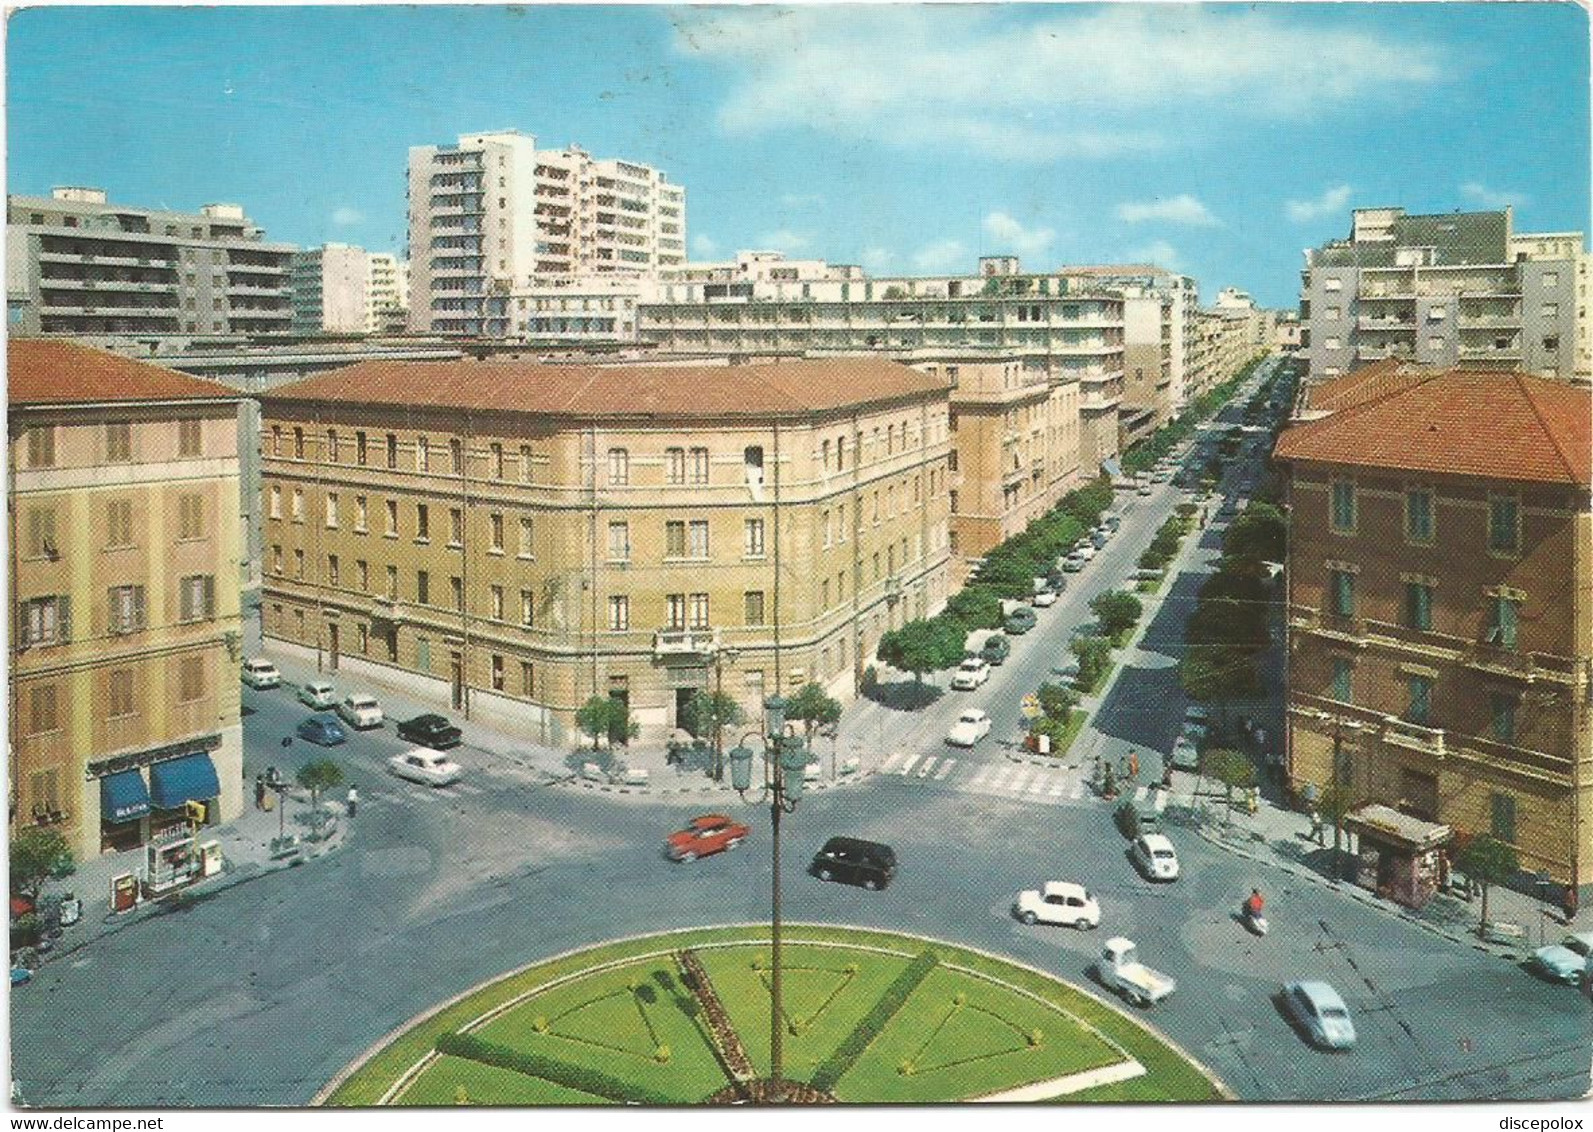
{"type": "Point", "coordinates": [334, 647]}
{"type": "Point", "coordinates": [456, 680]}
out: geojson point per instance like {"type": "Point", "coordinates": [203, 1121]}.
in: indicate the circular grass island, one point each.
{"type": "Point", "coordinates": [682, 1018]}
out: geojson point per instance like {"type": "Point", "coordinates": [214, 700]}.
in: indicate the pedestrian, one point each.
{"type": "Point", "coordinates": [1122, 767]}
{"type": "Point", "coordinates": [1167, 775]}
{"type": "Point", "coordinates": [1316, 826]}
{"type": "Point", "coordinates": [259, 791]}
{"type": "Point", "coordinates": [1133, 764]}
{"type": "Point", "coordinates": [353, 799]}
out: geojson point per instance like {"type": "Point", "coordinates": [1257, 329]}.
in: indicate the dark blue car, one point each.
{"type": "Point", "coordinates": [322, 730]}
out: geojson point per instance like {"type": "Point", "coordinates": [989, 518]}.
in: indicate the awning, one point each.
{"type": "Point", "coordinates": [1386, 824]}
{"type": "Point", "coordinates": [123, 796]}
{"type": "Point", "coordinates": [1112, 468]}
{"type": "Point", "coordinates": [190, 778]}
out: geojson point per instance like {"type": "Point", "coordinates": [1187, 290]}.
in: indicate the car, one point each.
{"type": "Point", "coordinates": [1112, 522]}
{"type": "Point", "coordinates": [1567, 960]}
{"type": "Point", "coordinates": [1087, 552]}
{"type": "Point", "coordinates": [1068, 670]}
{"type": "Point", "coordinates": [1161, 477]}
{"type": "Point", "coordinates": [851, 860]}
{"type": "Point", "coordinates": [1098, 539]}
{"type": "Point", "coordinates": [1058, 902]}
{"type": "Point", "coordinates": [1144, 489]}
{"type": "Point", "coordinates": [322, 730]}
{"type": "Point", "coordinates": [1320, 1010]}
{"type": "Point", "coordinates": [428, 767]}
{"type": "Point", "coordinates": [430, 730]}
{"type": "Point", "coordinates": [318, 694]}
{"type": "Point", "coordinates": [996, 649]}
{"type": "Point", "coordinates": [971, 726]}
{"type": "Point", "coordinates": [705, 835]}
{"type": "Point", "coordinates": [360, 709]}
{"type": "Point", "coordinates": [1020, 620]}
{"type": "Point", "coordinates": [970, 674]}
{"type": "Point", "coordinates": [1154, 856]}
{"type": "Point", "coordinates": [1073, 563]}
{"type": "Point", "coordinates": [1043, 599]}
{"type": "Point", "coordinates": [1195, 733]}
{"type": "Point", "coordinates": [259, 673]}
{"type": "Point", "coordinates": [1185, 756]}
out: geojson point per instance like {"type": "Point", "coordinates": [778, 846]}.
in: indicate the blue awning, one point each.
{"type": "Point", "coordinates": [1113, 468]}
{"type": "Point", "coordinates": [188, 779]}
{"type": "Point", "coordinates": [123, 796]}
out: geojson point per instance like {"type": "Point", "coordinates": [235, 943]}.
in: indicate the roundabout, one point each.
{"type": "Point", "coordinates": [682, 1018]}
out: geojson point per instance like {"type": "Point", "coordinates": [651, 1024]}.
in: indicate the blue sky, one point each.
{"type": "Point", "coordinates": [1219, 140]}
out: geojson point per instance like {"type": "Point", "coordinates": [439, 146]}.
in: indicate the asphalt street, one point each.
{"type": "Point", "coordinates": [260, 994]}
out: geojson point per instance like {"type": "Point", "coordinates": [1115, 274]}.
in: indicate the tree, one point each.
{"type": "Point", "coordinates": [1057, 701]}
{"type": "Point", "coordinates": [1335, 804]}
{"type": "Point", "coordinates": [707, 712]}
{"type": "Point", "coordinates": [1213, 673]}
{"type": "Point", "coordinates": [1230, 768]}
{"type": "Point", "coordinates": [38, 854]}
{"type": "Point", "coordinates": [813, 707]}
{"type": "Point", "coordinates": [1117, 611]}
{"type": "Point", "coordinates": [1488, 861]}
{"type": "Point", "coordinates": [922, 646]}
{"type": "Point", "coordinates": [1095, 660]}
{"type": "Point", "coordinates": [1259, 535]}
{"type": "Point", "coordinates": [603, 718]}
{"type": "Point", "coordinates": [975, 607]}
{"type": "Point", "coordinates": [319, 775]}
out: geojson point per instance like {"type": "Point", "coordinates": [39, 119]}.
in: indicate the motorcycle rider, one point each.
{"type": "Point", "coordinates": [1254, 904]}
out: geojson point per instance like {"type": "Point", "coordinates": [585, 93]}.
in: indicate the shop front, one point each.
{"type": "Point", "coordinates": [175, 783]}
{"type": "Point", "coordinates": [124, 809]}
{"type": "Point", "coordinates": [1399, 857]}
{"type": "Point", "coordinates": [145, 793]}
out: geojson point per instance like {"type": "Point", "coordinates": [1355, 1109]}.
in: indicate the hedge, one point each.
{"type": "Point", "coordinates": [847, 1053]}
{"type": "Point", "coordinates": [581, 1077]}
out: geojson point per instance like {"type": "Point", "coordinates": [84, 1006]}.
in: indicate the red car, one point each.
{"type": "Point", "coordinates": [710, 833]}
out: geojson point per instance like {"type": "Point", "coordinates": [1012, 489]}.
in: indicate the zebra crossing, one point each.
{"type": "Point", "coordinates": [1020, 781]}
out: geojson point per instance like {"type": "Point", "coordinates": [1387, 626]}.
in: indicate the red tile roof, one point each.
{"type": "Point", "coordinates": [50, 371]}
{"type": "Point", "coordinates": [1500, 426]}
{"type": "Point", "coordinates": [766, 389]}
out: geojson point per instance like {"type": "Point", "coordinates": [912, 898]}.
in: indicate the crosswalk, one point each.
{"type": "Point", "coordinates": [1022, 781]}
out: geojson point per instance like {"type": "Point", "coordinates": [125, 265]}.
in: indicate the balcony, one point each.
{"type": "Point", "coordinates": [389, 609]}
{"type": "Point", "coordinates": [1496, 660]}
{"type": "Point", "coordinates": [1377, 353]}
{"type": "Point", "coordinates": [1401, 322]}
{"type": "Point", "coordinates": [1413, 736]}
{"type": "Point", "coordinates": [669, 644]}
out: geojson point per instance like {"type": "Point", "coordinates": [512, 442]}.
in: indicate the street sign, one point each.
{"type": "Point", "coordinates": [1030, 707]}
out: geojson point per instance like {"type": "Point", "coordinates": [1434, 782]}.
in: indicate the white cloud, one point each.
{"type": "Point", "coordinates": [704, 245]}
{"type": "Point", "coordinates": [1181, 209]}
{"type": "Point", "coordinates": [1157, 252]}
{"type": "Point", "coordinates": [346, 217]}
{"type": "Point", "coordinates": [1012, 235]}
{"type": "Point", "coordinates": [801, 200]}
{"type": "Point", "coordinates": [1330, 202]}
{"type": "Point", "coordinates": [942, 255]}
{"type": "Point", "coordinates": [783, 240]}
{"type": "Point", "coordinates": [1491, 198]}
{"type": "Point", "coordinates": [1016, 82]}
{"type": "Point", "coordinates": [877, 258]}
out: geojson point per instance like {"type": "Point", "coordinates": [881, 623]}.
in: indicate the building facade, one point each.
{"type": "Point", "coordinates": [76, 264]}
{"type": "Point", "coordinates": [1439, 589]}
{"type": "Point", "coordinates": [123, 508]}
{"type": "Point", "coordinates": [512, 538]}
{"type": "Point", "coordinates": [387, 290]}
{"type": "Point", "coordinates": [331, 290]}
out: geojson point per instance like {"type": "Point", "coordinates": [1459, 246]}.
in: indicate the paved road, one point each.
{"type": "Point", "coordinates": [261, 994]}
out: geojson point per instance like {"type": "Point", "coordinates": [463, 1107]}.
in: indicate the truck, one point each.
{"type": "Point", "coordinates": [1120, 970]}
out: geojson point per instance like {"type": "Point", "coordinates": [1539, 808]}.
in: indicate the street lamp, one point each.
{"type": "Point", "coordinates": [785, 760]}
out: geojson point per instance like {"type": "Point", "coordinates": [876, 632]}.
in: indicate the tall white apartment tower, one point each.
{"type": "Point", "coordinates": [387, 293]}
{"type": "Point", "coordinates": [493, 212]}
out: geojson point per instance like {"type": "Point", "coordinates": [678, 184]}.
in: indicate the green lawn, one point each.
{"type": "Point", "coordinates": [487, 1085]}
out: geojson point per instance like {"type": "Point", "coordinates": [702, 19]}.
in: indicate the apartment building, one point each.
{"type": "Point", "coordinates": [1439, 573]}
{"type": "Point", "coordinates": [494, 212]}
{"type": "Point", "coordinates": [331, 290]}
{"type": "Point", "coordinates": [123, 504]}
{"type": "Point", "coordinates": [387, 291]}
{"type": "Point", "coordinates": [1159, 335]}
{"type": "Point", "coordinates": [77, 264]}
{"type": "Point", "coordinates": [511, 538]}
{"type": "Point", "coordinates": [1445, 289]}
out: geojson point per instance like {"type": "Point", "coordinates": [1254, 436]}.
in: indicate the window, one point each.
{"type": "Point", "coordinates": [276, 558]}
{"type": "Point", "coordinates": [1503, 525]}
{"type": "Point", "coordinates": [119, 689]}
{"type": "Point", "coordinates": [753, 603]}
{"type": "Point", "coordinates": [422, 522]}
{"type": "Point", "coordinates": [298, 505]}
{"type": "Point", "coordinates": [1551, 278]}
{"type": "Point", "coordinates": [528, 608]}
{"type": "Point", "coordinates": [46, 621]}
{"type": "Point", "coordinates": [754, 537]}
{"type": "Point", "coordinates": [619, 467]}
{"type": "Point", "coordinates": [840, 454]}
{"type": "Point", "coordinates": [495, 596]}
{"type": "Point", "coordinates": [1344, 507]}
{"type": "Point", "coordinates": [423, 587]}
{"type": "Point", "coordinates": [1437, 313]}
{"type": "Point", "coordinates": [392, 452]}
{"type": "Point", "coordinates": [190, 438]}
{"type": "Point", "coordinates": [1330, 313]}
{"type": "Point", "coordinates": [119, 521]}
{"type": "Point", "coordinates": [422, 653]}
{"type": "Point", "coordinates": [298, 565]}
{"type": "Point", "coordinates": [1504, 615]}
{"type": "Point", "coordinates": [422, 454]}
{"type": "Point", "coordinates": [1331, 343]}
{"type": "Point", "coordinates": [456, 457]}
{"type": "Point", "coordinates": [525, 463]}
{"type": "Point", "coordinates": [619, 613]}
{"type": "Point", "coordinates": [331, 510]}
{"type": "Point", "coordinates": [127, 610]}
{"type": "Point", "coordinates": [619, 542]}
{"type": "Point", "coordinates": [456, 527]}
{"type": "Point", "coordinates": [1551, 311]}
{"type": "Point", "coordinates": [699, 465]}
{"type": "Point", "coordinates": [41, 446]}
{"type": "Point", "coordinates": [675, 538]}
{"type": "Point", "coordinates": [1419, 699]}
{"type": "Point", "coordinates": [674, 465]}
{"type": "Point", "coordinates": [698, 530]}
{"type": "Point", "coordinates": [825, 457]}
{"type": "Point", "coordinates": [527, 534]}
{"type": "Point", "coordinates": [528, 680]}
{"type": "Point", "coordinates": [190, 679]}
{"type": "Point", "coordinates": [1502, 716]}
{"type": "Point", "coordinates": [362, 575]}
{"type": "Point", "coordinates": [675, 611]}
{"type": "Point", "coordinates": [495, 531]}
{"type": "Point", "coordinates": [1503, 814]}
{"type": "Point", "coordinates": [828, 529]}
{"type": "Point", "coordinates": [298, 444]}
{"type": "Point", "coordinates": [119, 442]}
{"type": "Point", "coordinates": [197, 597]}
{"type": "Point", "coordinates": [392, 583]}
{"type": "Point", "coordinates": [360, 453]}
{"type": "Point", "coordinates": [41, 533]}
{"type": "Point", "coordinates": [361, 513]}
{"type": "Point", "coordinates": [699, 611]}
{"type": "Point", "coordinates": [1341, 586]}
{"type": "Point", "coordinates": [497, 461]}
{"type": "Point", "coordinates": [840, 523]}
{"type": "Point", "coordinates": [42, 716]}
{"type": "Point", "coordinates": [1419, 516]}
{"type": "Point", "coordinates": [1333, 284]}
{"type": "Point", "coordinates": [1342, 673]}
{"type": "Point", "coordinates": [331, 445]}
{"type": "Point", "coordinates": [364, 639]}
{"type": "Point", "coordinates": [456, 586]}
{"type": "Point", "coordinates": [333, 575]}
{"type": "Point", "coordinates": [1419, 605]}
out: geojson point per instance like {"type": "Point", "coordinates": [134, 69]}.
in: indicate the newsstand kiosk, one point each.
{"type": "Point", "coordinates": [1399, 855]}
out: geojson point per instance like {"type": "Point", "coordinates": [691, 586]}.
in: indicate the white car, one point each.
{"type": "Point", "coordinates": [1073, 563]}
{"type": "Point", "coordinates": [260, 674]}
{"type": "Point", "coordinates": [1043, 599]}
{"type": "Point", "coordinates": [360, 709]}
{"type": "Point", "coordinates": [1145, 489]}
{"type": "Point", "coordinates": [1154, 856]}
{"type": "Point", "coordinates": [430, 768]}
{"type": "Point", "coordinates": [1085, 551]}
{"type": "Point", "coordinates": [971, 726]}
{"type": "Point", "coordinates": [1186, 756]}
{"type": "Point", "coordinates": [318, 694]}
{"type": "Point", "coordinates": [970, 674]}
{"type": "Point", "coordinates": [1058, 902]}
{"type": "Point", "coordinates": [1321, 1012]}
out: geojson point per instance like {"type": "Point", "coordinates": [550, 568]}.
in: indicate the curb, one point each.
{"type": "Point", "coordinates": [702, 790]}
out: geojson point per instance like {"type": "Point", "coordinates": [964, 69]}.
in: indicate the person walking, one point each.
{"type": "Point", "coordinates": [1133, 764]}
{"type": "Point", "coordinates": [353, 799]}
{"type": "Point", "coordinates": [259, 791]}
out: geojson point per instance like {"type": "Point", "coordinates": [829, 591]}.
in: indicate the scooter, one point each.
{"type": "Point", "coordinates": [1255, 921]}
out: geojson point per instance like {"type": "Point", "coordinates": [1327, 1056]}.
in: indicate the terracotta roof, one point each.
{"type": "Point", "coordinates": [51, 371]}
{"type": "Point", "coordinates": [1500, 426]}
{"type": "Point", "coordinates": [1366, 383]}
{"type": "Point", "coordinates": [767, 389]}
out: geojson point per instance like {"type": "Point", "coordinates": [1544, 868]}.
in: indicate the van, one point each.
{"type": "Point", "coordinates": [850, 860]}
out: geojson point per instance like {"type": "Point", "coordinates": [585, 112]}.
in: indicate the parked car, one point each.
{"type": "Point", "coordinates": [318, 694]}
{"type": "Point", "coordinates": [705, 835]}
{"type": "Point", "coordinates": [1319, 1009]}
{"type": "Point", "coordinates": [1144, 489]}
{"type": "Point", "coordinates": [1112, 521]}
{"type": "Point", "coordinates": [260, 674]}
{"type": "Point", "coordinates": [971, 726]}
{"type": "Point", "coordinates": [360, 709]}
{"type": "Point", "coordinates": [428, 767]}
{"type": "Point", "coordinates": [321, 730]}
{"type": "Point", "coordinates": [970, 674]}
{"type": "Point", "coordinates": [1020, 620]}
{"type": "Point", "coordinates": [430, 730]}
{"type": "Point", "coordinates": [1058, 902]}
{"type": "Point", "coordinates": [1153, 855]}
{"type": "Point", "coordinates": [1567, 960]}
{"type": "Point", "coordinates": [1043, 599]}
{"type": "Point", "coordinates": [1185, 756]}
{"type": "Point", "coordinates": [1086, 551]}
{"type": "Point", "coordinates": [1098, 539]}
{"type": "Point", "coordinates": [996, 649]}
{"type": "Point", "coordinates": [1073, 563]}
{"type": "Point", "coordinates": [850, 860]}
